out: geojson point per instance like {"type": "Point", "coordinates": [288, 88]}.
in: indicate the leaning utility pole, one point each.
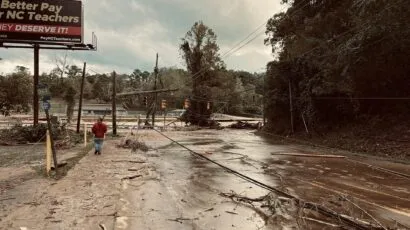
{"type": "Point", "coordinates": [50, 131]}
{"type": "Point", "coordinates": [156, 94]}
{"type": "Point", "coordinates": [80, 103]}
{"type": "Point", "coordinates": [114, 105]}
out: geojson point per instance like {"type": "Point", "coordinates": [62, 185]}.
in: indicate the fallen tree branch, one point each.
{"type": "Point", "coordinates": [125, 161]}
{"type": "Point", "coordinates": [321, 222]}
{"type": "Point", "coordinates": [209, 209]}
{"type": "Point", "coordinates": [357, 223]}
{"type": "Point", "coordinates": [357, 206]}
{"type": "Point", "coordinates": [181, 219]}
{"type": "Point", "coordinates": [308, 155]}
{"type": "Point", "coordinates": [233, 213]}
{"type": "Point", "coordinates": [131, 177]}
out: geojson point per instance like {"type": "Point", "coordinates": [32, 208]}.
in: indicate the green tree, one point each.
{"type": "Point", "coordinates": [102, 88]}
{"type": "Point", "coordinates": [199, 49]}
{"type": "Point", "coordinates": [338, 49]}
{"type": "Point", "coordinates": [16, 91]}
{"type": "Point", "coordinates": [69, 98]}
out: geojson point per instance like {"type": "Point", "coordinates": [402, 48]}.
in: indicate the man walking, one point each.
{"type": "Point", "coordinates": [99, 129]}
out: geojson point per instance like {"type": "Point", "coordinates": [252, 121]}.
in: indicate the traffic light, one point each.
{"type": "Point", "coordinates": [145, 101]}
{"type": "Point", "coordinates": [187, 103]}
{"type": "Point", "coordinates": [163, 104]}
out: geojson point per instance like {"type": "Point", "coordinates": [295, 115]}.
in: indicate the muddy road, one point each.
{"type": "Point", "coordinates": [347, 185]}
{"type": "Point", "coordinates": [169, 188]}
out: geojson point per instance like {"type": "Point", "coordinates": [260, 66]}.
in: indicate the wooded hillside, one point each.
{"type": "Point", "coordinates": [345, 61]}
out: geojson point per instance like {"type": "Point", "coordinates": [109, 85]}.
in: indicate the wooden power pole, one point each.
{"type": "Point", "coordinates": [50, 130]}
{"type": "Point", "coordinates": [35, 85]}
{"type": "Point", "coordinates": [80, 103]}
{"type": "Point", "coordinates": [114, 104]}
{"type": "Point", "coordinates": [156, 94]}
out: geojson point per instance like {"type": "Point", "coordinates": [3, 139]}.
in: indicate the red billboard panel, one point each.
{"type": "Point", "coordinates": [41, 21]}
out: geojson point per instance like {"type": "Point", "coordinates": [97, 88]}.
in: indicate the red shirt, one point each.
{"type": "Point", "coordinates": [99, 129]}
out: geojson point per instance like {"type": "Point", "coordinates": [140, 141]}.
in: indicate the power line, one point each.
{"type": "Point", "coordinates": [229, 53]}
{"type": "Point", "coordinates": [358, 98]}
{"type": "Point", "coordinates": [260, 26]}
{"type": "Point", "coordinates": [338, 37]}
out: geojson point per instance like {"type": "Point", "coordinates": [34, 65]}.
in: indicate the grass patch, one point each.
{"type": "Point", "coordinates": [63, 170]}
{"type": "Point", "coordinates": [71, 162]}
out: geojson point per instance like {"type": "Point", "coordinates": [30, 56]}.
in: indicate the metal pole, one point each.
{"type": "Point", "coordinates": [35, 85]}
{"type": "Point", "coordinates": [53, 149]}
{"type": "Point", "coordinates": [85, 135]}
{"type": "Point", "coordinates": [156, 94]}
{"type": "Point", "coordinates": [80, 103]}
{"type": "Point", "coordinates": [165, 116]}
{"type": "Point", "coordinates": [114, 104]}
{"type": "Point", "coordinates": [291, 106]}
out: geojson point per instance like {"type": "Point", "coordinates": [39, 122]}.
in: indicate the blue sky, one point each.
{"type": "Point", "coordinates": [130, 32]}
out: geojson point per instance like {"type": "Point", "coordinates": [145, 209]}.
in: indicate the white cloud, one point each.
{"type": "Point", "coordinates": [130, 32]}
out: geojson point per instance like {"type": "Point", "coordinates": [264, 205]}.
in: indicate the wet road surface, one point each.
{"type": "Point", "coordinates": [344, 185]}
{"type": "Point", "coordinates": [175, 190]}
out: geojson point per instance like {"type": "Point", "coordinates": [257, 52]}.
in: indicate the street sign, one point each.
{"type": "Point", "coordinates": [43, 92]}
{"type": "Point", "coordinates": [187, 104]}
{"type": "Point", "coordinates": [46, 105]}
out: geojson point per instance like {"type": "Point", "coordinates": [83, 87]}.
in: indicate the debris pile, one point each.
{"type": "Point", "coordinates": [296, 213]}
{"type": "Point", "coordinates": [245, 125]}
{"type": "Point", "coordinates": [134, 145]}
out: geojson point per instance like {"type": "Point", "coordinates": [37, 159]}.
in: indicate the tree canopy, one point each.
{"type": "Point", "coordinates": [341, 59]}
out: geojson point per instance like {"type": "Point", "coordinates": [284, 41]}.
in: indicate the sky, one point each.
{"type": "Point", "coordinates": [131, 32]}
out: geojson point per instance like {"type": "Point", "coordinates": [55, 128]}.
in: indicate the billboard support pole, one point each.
{"type": "Point", "coordinates": [156, 94]}
{"type": "Point", "coordinates": [35, 90]}
{"type": "Point", "coordinates": [114, 104]}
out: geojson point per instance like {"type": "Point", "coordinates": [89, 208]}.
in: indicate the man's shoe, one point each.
{"type": "Point", "coordinates": [95, 152]}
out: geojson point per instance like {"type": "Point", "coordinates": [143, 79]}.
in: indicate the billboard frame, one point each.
{"type": "Point", "coordinates": [37, 45]}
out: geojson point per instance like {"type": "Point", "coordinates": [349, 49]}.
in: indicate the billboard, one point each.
{"type": "Point", "coordinates": [41, 21]}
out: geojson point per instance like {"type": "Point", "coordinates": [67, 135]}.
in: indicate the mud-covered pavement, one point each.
{"type": "Point", "coordinates": [171, 189]}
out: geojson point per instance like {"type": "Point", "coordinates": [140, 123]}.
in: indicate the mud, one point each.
{"type": "Point", "coordinates": [383, 195]}
{"type": "Point", "coordinates": [173, 189]}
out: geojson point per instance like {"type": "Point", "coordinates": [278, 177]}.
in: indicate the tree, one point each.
{"type": "Point", "coordinates": [69, 98]}
{"type": "Point", "coordinates": [102, 88]}
{"type": "Point", "coordinates": [16, 91]}
{"type": "Point", "coordinates": [338, 49]}
{"type": "Point", "coordinates": [200, 52]}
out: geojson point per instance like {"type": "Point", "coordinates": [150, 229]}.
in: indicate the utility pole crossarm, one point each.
{"type": "Point", "coordinates": [146, 92]}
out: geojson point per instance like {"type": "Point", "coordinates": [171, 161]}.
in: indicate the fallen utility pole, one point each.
{"type": "Point", "coordinates": [114, 104]}
{"type": "Point", "coordinates": [146, 92]}
{"type": "Point", "coordinates": [80, 103]}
